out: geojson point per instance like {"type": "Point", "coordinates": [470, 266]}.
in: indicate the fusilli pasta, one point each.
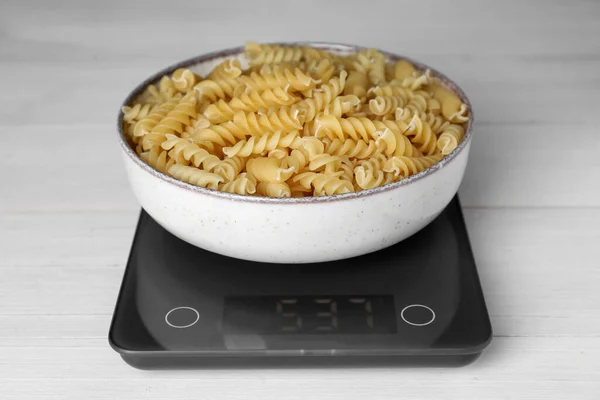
{"type": "Point", "coordinates": [269, 169]}
{"type": "Point", "coordinates": [298, 122]}
{"type": "Point", "coordinates": [266, 54]}
{"type": "Point", "coordinates": [322, 97]}
{"type": "Point", "coordinates": [184, 79]}
{"type": "Point", "coordinates": [240, 185]}
{"type": "Point", "coordinates": [274, 189]}
{"type": "Point", "coordinates": [262, 144]}
{"type": "Point", "coordinates": [421, 134]}
{"type": "Point", "coordinates": [136, 113]}
{"type": "Point", "coordinates": [278, 77]}
{"type": "Point", "coordinates": [195, 176]}
{"type": "Point", "coordinates": [403, 167]}
{"type": "Point", "coordinates": [323, 184]}
{"type": "Point", "coordinates": [450, 138]}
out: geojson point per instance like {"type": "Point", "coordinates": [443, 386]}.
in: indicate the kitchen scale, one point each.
{"type": "Point", "coordinates": [418, 302]}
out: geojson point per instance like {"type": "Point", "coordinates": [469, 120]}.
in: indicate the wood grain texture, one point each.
{"type": "Point", "coordinates": [531, 191]}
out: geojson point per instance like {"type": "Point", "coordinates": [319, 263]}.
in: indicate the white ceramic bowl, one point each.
{"type": "Point", "coordinates": [294, 230]}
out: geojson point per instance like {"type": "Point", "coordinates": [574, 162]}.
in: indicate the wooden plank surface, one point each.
{"type": "Point", "coordinates": [531, 191]}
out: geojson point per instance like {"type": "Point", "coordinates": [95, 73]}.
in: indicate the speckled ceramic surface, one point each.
{"type": "Point", "coordinates": [294, 230]}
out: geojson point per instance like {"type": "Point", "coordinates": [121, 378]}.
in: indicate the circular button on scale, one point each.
{"type": "Point", "coordinates": [417, 315]}
{"type": "Point", "coordinates": [182, 317]}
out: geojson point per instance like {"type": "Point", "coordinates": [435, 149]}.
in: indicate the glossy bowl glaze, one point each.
{"type": "Point", "coordinates": [294, 230]}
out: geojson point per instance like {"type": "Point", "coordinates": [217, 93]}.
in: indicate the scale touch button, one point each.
{"type": "Point", "coordinates": [417, 315]}
{"type": "Point", "coordinates": [182, 317]}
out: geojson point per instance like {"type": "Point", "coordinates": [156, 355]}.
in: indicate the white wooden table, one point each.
{"type": "Point", "coordinates": [531, 192]}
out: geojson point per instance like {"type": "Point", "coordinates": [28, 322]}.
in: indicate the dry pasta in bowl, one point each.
{"type": "Point", "coordinates": [296, 121]}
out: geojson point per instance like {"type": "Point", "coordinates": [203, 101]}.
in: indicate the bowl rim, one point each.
{"type": "Point", "coordinates": [236, 51]}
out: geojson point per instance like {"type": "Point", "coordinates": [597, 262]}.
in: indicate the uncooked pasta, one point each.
{"type": "Point", "coordinates": [298, 121]}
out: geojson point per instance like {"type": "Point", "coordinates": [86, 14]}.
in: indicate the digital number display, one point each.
{"type": "Point", "coordinates": [373, 314]}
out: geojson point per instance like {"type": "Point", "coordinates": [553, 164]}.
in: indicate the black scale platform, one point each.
{"type": "Point", "coordinates": [416, 303]}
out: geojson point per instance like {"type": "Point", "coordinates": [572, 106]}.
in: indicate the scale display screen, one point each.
{"type": "Point", "coordinates": [277, 315]}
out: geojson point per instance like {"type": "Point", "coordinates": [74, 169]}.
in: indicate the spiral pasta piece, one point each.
{"type": "Point", "coordinates": [312, 54]}
{"type": "Point", "coordinates": [210, 90]}
{"type": "Point", "coordinates": [153, 96]}
{"type": "Point", "coordinates": [322, 97]}
{"type": "Point", "coordinates": [371, 63]}
{"type": "Point", "coordinates": [368, 177]}
{"type": "Point", "coordinates": [324, 184]}
{"type": "Point", "coordinates": [450, 138]}
{"type": "Point", "coordinates": [195, 176]}
{"type": "Point", "coordinates": [179, 117]}
{"type": "Point", "coordinates": [181, 148]}
{"type": "Point", "coordinates": [267, 69]}
{"type": "Point", "coordinates": [261, 144]}
{"type": "Point", "coordinates": [137, 112]}
{"type": "Point", "coordinates": [274, 189]}
{"type": "Point", "coordinates": [347, 169]}
{"type": "Point", "coordinates": [382, 105]}
{"type": "Point", "coordinates": [403, 167]}
{"type": "Point", "coordinates": [157, 159]}
{"type": "Point", "coordinates": [222, 135]}
{"type": "Point", "coordinates": [453, 109]}
{"type": "Point", "coordinates": [421, 134]}
{"type": "Point", "coordinates": [167, 87]}
{"type": "Point", "coordinates": [305, 150]}
{"type": "Point", "coordinates": [389, 177]}
{"type": "Point", "coordinates": [298, 160]}
{"type": "Point", "coordinates": [278, 77]}
{"type": "Point", "coordinates": [413, 82]}
{"type": "Point", "coordinates": [374, 163]}
{"type": "Point", "coordinates": [342, 105]}
{"type": "Point", "coordinates": [268, 54]}
{"type": "Point", "coordinates": [177, 157]}
{"type": "Point", "coordinates": [416, 106]}
{"type": "Point", "coordinates": [434, 107]}
{"type": "Point", "coordinates": [358, 128]}
{"type": "Point", "coordinates": [361, 62]}
{"type": "Point", "coordinates": [230, 167]}
{"type": "Point", "coordinates": [146, 124]}
{"type": "Point", "coordinates": [253, 100]}
{"type": "Point", "coordinates": [461, 116]}
{"type": "Point", "coordinates": [377, 71]}
{"type": "Point", "coordinates": [174, 122]}
{"type": "Point", "coordinates": [284, 119]}
{"type": "Point", "coordinates": [191, 130]}
{"type": "Point", "coordinates": [359, 149]}
{"type": "Point", "coordinates": [392, 90]}
{"type": "Point", "coordinates": [297, 190]}
{"type": "Point", "coordinates": [268, 169]}
{"type": "Point", "coordinates": [325, 163]}
{"type": "Point", "coordinates": [184, 79]}
{"type": "Point", "coordinates": [311, 145]}
{"type": "Point", "coordinates": [280, 153]}
{"type": "Point", "coordinates": [437, 122]}
{"type": "Point", "coordinates": [227, 69]}
{"type": "Point", "coordinates": [401, 144]}
{"type": "Point", "coordinates": [219, 112]}
{"type": "Point", "coordinates": [240, 185]}
{"type": "Point", "coordinates": [322, 70]}
{"type": "Point", "coordinates": [128, 129]}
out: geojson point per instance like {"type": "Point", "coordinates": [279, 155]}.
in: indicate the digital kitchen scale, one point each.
{"type": "Point", "coordinates": [418, 302]}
